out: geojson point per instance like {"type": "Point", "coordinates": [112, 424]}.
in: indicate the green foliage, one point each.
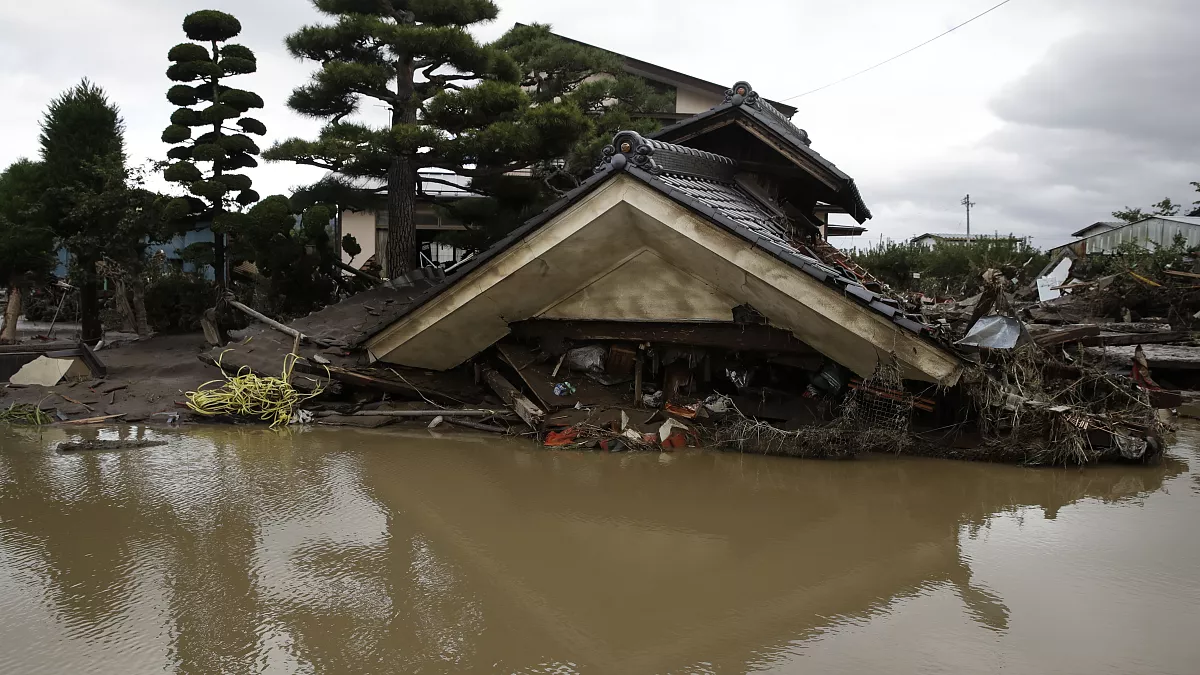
{"type": "Point", "coordinates": [235, 143]}
{"type": "Point", "coordinates": [210, 190]}
{"type": "Point", "coordinates": [241, 101]}
{"type": "Point", "coordinates": [186, 117]}
{"type": "Point", "coordinates": [221, 147]}
{"type": "Point", "coordinates": [232, 65]}
{"type": "Point", "coordinates": [238, 52]}
{"type": "Point", "coordinates": [26, 242]}
{"type": "Point", "coordinates": [182, 95]}
{"type": "Point", "coordinates": [209, 152]}
{"type": "Point", "coordinates": [190, 71]}
{"type": "Point", "coordinates": [950, 269]}
{"type": "Point", "coordinates": [188, 51]}
{"type": "Point", "coordinates": [176, 133]}
{"type": "Point", "coordinates": [211, 26]}
{"type": "Point", "coordinates": [1166, 207]}
{"type": "Point", "coordinates": [351, 246]}
{"type": "Point", "coordinates": [294, 253]}
{"type": "Point", "coordinates": [175, 302]}
{"type": "Point", "coordinates": [182, 172]}
{"type": "Point", "coordinates": [528, 100]}
{"type": "Point", "coordinates": [218, 112]}
{"type": "Point", "coordinates": [235, 181]}
{"type": "Point", "coordinates": [252, 126]}
{"type": "Point", "coordinates": [1132, 256]}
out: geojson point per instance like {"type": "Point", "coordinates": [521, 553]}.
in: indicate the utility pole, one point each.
{"type": "Point", "coordinates": [968, 203]}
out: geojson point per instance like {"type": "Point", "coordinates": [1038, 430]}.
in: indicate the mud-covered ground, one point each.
{"type": "Point", "coordinates": [145, 377]}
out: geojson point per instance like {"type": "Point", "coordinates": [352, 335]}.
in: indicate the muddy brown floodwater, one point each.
{"type": "Point", "coordinates": [248, 551]}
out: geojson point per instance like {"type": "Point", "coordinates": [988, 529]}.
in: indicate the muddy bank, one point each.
{"type": "Point", "coordinates": [145, 382]}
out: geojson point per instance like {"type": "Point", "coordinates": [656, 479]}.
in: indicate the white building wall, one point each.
{"type": "Point", "coordinates": [361, 225]}
{"type": "Point", "coordinates": [691, 101]}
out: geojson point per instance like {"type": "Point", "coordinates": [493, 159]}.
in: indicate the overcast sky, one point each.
{"type": "Point", "coordinates": [1050, 113]}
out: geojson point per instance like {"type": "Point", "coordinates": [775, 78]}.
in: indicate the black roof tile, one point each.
{"type": "Point", "coordinates": [742, 99]}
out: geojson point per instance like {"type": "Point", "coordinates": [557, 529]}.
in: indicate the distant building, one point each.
{"type": "Point", "coordinates": [1149, 233]}
{"type": "Point", "coordinates": [1098, 227]}
{"type": "Point", "coordinates": [931, 240]}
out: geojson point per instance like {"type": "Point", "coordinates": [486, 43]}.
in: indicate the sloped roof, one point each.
{"type": "Point", "coordinates": [741, 100]}
{"type": "Point", "coordinates": [1098, 225]}
{"type": "Point", "coordinates": [703, 182]}
{"type": "Point", "coordinates": [658, 73]}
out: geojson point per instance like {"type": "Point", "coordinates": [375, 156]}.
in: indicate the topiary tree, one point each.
{"type": "Point", "coordinates": [456, 104]}
{"type": "Point", "coordinates": [26, 244]}
{"type": "Point", "coordinates": [294, 251]}
{"type": "Point", "coordinates": [206, 164]}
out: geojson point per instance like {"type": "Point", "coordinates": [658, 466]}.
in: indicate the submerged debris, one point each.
{"type": "Point", "coordinates": [107, 445]}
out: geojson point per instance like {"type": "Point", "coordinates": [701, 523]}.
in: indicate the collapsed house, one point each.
{"type": "Point", "coordinates": [689, 279]}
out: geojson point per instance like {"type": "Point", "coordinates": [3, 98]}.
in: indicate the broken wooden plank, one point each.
{"type": "Point", "coordinates": [286, 330]}
{"type": "Point", "coordinates": [1067, 335]}
{"type": "Point", "coordinates": [428, 413]}
{"type": "Point", "coordinates": [94, 420]}
{"type": "Point", "coordinates": [379, 384]}
{"type": "Point", "coordinates": [723, 335]}
{"type": "Point", "coordinates": [520, 359]}
{"type": "Point", "coordinates": [1169, 357]}
{"type": "Point", "coordinates": [467, 424]}
{"type": "Point", "coordinates": [1134, 339]}
{"type": "Point", "coordinates": [522, 406]}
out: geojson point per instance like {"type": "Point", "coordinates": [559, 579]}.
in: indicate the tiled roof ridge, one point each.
{"type": "Point", "coordinates": [742, 93]}
{"type": "Point", "coordinates": [629, 148]}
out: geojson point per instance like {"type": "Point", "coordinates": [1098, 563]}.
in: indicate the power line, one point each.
{"type": "Point", "coordinates": [909, 51]}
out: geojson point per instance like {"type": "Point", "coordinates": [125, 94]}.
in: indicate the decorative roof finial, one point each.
{"type": "Point", "coordinates": [627, 148]}
{"type": "Point", "coordinates": [742, 94]}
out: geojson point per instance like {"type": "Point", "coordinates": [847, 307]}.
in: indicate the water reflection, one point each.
{"type": "Point", "coordinates": [250, 551]}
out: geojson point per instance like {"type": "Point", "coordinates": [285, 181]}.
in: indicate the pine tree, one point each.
{"type": "Point", "coordinates": [26, 244]}
{"type": "Point", "coordinates": [207, 104]}
{"type": "Point", "coordinates": [82, 140]}
{"type": "Point", "coordinates": [455, 104]}
{"type": "Point", "coordinates": [554, 69]}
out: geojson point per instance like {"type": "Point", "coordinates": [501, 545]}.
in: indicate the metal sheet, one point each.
{"type": "Point", "coordinates": [995, 332]}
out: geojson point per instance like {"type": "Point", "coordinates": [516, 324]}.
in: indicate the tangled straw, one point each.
{"type": "Point", "coordinates": [271, 399]}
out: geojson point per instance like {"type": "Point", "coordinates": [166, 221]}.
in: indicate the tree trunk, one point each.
{"type": "Point", "coordinates": [219, 266]}
{"type": "Point", "coordinates": [8, 336]}
{"type": "Point", "coordinates": [138, 292]}
{"type": "Point", "coordinates": [89, 301]}
{"type": "Point", "coordinates": [402, 226]}
{"type": "Point", "coordinates": [401, 254]}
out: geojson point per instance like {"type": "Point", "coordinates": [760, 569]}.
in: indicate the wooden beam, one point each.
{"type": "Point", "coordinates": [357, 272]}
{"type": "Point", "coordinates": [428, 413]}
{"type": "Point", "coordinates": [1066, 336]}
{"type": "Point", "coordinates": [1133, 339]}
{"type": "Point", "coordinates": [513, 398]}
{"type": "Point", "coordinates": [731, 336]}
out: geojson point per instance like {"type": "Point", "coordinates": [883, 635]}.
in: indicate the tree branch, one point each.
{"type": "Point", "coordinates": [481, 173]}
{"type": "Point", "coordinates": [426, 179]}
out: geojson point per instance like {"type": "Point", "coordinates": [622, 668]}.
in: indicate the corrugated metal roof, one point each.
{"type": "Point", "coordinates": [1155, 231]}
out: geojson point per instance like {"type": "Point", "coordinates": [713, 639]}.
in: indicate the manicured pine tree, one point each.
{"type": "Point", "coordinates": [82, 141]}
{"type": "Point", "coordinates": [206, 164]}
{"type": "Point", "coordinates": [455, 104]}
{"type": "Point", "coordinates": [26, 244]}
{"type": "Point", "coordinates": [590, 79]}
